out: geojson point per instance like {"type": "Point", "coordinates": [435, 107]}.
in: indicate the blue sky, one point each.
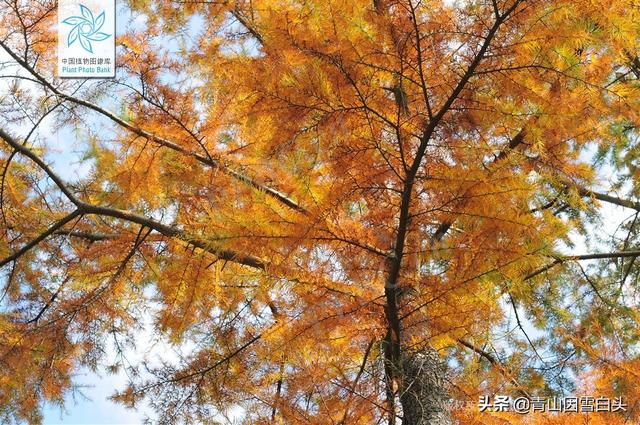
{"type": "Point", "coordinates": [95, 408]}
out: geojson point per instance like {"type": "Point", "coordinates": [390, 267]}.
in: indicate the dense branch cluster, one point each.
{"type": "Point", "coordinates": [332, 211]}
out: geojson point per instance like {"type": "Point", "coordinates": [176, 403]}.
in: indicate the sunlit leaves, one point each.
{"type": "Point", "coordinates": [290, 132]}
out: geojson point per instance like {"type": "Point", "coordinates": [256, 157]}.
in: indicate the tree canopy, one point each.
{"type": "Point", "coordinates": [334, 212]}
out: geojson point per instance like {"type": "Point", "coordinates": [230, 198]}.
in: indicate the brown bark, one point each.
{"type": "Point", "coordinates": [424, 396]}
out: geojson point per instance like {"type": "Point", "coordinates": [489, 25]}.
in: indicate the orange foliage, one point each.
{"type": "Point", "coordinates": [296, 195]}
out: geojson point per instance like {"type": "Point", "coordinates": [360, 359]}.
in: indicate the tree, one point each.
{"type": "Point", "coordinates": [335, 211]}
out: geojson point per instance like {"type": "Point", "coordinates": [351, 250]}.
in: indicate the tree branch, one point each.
{"type": "Point", "coordinates": [85, 208]}
{"type": "Point", "coordinates": [44, 235]}
{"type": "Point", "coordinates": [35, 158]}
{"type": "Point", "coordinates": [174, 232]}
{"type": "Point", "coordinates": [243, 21]}
{"type": "Point", "coordinates": [584, 257]}
{"type": "Point", "coordinates": [494, 362]}
{"type": "Point", "coordinates": [608, 198]}
{"type": "Point", "coordinates": [157, 139]}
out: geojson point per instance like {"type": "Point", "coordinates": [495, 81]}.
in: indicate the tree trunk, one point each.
{"type": "Point", "coordinates": [424, 395]}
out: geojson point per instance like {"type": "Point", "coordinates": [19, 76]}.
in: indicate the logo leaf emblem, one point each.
{"type": "Point", "coordinates": [86, 28]}
{"type": "Point", "coordinates": [86, 12]}
{"type": "Point", "coordinates": [99, 22]}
